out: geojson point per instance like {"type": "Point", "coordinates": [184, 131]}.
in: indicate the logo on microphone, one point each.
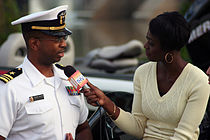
{"type": "Point", "coordinates": [77, 80]}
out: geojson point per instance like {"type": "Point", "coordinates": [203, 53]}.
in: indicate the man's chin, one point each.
{"type": "Point", "coordinates": [57, 59]}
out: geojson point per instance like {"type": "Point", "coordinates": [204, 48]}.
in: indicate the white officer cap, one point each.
{"type": "Point", "coordinates": [51, 22]}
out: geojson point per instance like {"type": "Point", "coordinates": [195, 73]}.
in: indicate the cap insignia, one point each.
{"type": "Point", "coordinates": [62, 16]}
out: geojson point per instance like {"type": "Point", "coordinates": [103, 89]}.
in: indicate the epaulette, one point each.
{"type": "Point", "coordinates": [10, 75]}
{"type": "Point", "coordinates": [60, 66]}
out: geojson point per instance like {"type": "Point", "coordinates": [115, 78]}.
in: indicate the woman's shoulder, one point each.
{"type": "Point", "coordinates": [145, 69]}
{"type": "Point", "coordinates": [146, 66]}
{"type": "Point", "coordinates": [196, 73]}
{"type": "Point", "coordinates": [197, 80]}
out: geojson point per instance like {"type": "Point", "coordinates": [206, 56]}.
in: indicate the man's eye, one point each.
{"type": "Point", "coordinates": [58, 39]}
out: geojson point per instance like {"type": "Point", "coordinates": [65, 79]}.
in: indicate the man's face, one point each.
{"type": "Point", "coordinates": [51, 48]}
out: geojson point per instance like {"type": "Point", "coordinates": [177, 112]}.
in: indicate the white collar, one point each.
{"type": "Point", "coordinates": [36, 77]}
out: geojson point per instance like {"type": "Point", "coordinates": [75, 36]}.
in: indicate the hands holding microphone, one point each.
{"type": "Point", "coordinates": [95, 96]}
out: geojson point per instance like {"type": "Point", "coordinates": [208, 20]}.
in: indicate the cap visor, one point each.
{"type": "Point", "coordinates": [62, 32]}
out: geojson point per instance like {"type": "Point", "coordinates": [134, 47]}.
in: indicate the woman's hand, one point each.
{"type": "Point", "coordinates": [94, 95]}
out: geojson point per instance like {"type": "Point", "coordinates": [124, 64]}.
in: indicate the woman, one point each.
{"type": "Point", "coordinates": [170, 94]}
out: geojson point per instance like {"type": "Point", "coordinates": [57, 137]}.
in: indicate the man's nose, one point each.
{"type": "Point", "coordinates": [63, 42]}
{"type": "Point", "coordinates": [145, 45]}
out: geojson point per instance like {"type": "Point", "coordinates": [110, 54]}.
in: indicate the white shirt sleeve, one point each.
{"type": "Point", "coordinates": [7, 107]}
{"type": "Point", "coordinates": [83, 110]}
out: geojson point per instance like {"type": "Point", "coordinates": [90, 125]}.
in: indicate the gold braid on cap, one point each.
{"type": "Point", "coordinates": [48, 28]}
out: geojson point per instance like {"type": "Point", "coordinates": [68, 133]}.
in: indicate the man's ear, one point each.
{"type": "Point", "coordinates": [34, 43]}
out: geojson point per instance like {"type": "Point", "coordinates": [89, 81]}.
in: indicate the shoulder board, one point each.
{"type": "Point", "coordinates": [60, 66]}
{"type": "Point", "coordinates": [10, 75]}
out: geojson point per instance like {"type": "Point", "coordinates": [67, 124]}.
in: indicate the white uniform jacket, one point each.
{"type": "Point", "coordinates": [44, 119]}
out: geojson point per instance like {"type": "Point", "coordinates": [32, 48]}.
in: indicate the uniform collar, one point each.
{"type": "Point", "coordinates": [32, 72]}
{"type": "Point", "coordinates": [59, 73]}
{"type": "Point", "coordinates": [36, 77]}
{"type": "Point", "coordinates": [59, 76]}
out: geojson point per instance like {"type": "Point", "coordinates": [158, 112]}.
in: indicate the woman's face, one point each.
{"type": "Point", "coordinates": [153, 48]}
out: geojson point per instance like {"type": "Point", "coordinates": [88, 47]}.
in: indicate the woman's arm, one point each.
{"type": "Point", "coordinates": [132, 123]}
{"type": "Point", "coordinates": [193, 112]}
{"type": "Point", "coordinates": [96, 97]}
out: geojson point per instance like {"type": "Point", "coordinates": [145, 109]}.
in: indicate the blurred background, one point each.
{"type": "Point", "coordinates": [98, 24]}
{"type": "Point", "coordinates": [95, 23]}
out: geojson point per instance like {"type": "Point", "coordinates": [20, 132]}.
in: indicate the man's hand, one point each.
{"type": "Point", "coordinates": [69, 136]}
{"type": "Point", "coordinates": [83, 132]}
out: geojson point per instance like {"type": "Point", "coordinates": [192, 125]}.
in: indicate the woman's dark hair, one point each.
{"type": "Point", "coordinates": [171, 29]}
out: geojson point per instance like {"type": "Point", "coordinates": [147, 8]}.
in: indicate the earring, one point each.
{"type": "Point", "coordinates": [169, 58]}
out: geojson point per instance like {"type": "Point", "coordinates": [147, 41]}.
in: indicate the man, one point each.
{"type": "Point", "coordinates": [35, 100]}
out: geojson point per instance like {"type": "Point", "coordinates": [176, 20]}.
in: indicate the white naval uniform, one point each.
{"type": "Point", "coordinates": [47, 119]}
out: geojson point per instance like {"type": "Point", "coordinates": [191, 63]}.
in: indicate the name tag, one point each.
{"type": "Point", "coordinates": [36, 98]}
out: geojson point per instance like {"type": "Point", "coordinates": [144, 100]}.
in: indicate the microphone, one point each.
{"type": "Point", "coordinates": [75, 78]}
